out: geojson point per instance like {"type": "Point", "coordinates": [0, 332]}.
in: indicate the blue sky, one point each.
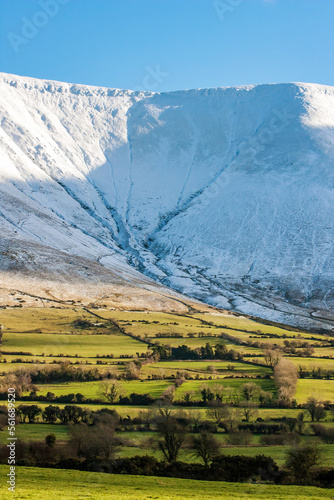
{"type": "Point", "coordinates": [168, 44]}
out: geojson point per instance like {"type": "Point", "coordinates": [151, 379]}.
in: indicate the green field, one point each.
{"type": "Point", "coordinates": [151, 323]}
{"type": "Point", "coordinates": [48, 320]}
{"type": "Point", "coordinates": [84, 364]}
{"type": "Point", "coordinates": [249, 325]}
{"type": "Point", "coordinates": [37, 484]}
{"type": "Point", "coordinates": [309, 363]}
{"type": "Point", "coordinates": [320, 389]}
{"type": "Point", "coordinates": [133, 410]}
{"type": "Point", "coordinates": [38, 432]}
{"type": "Point", "coordinates": [230, 386]}
{"type": "Point", "coordinates": [218, 367]}
{"type": "Point", "coordinates": [275, 452]}
{"type": "Point", "coordinates": [82, 345]}
{"type": "Point", "coordinates": [90, 389]}
{"type": "Point", "coordinates": [60, 340]}
{"type": "Point", "coordinates": [53, 337]}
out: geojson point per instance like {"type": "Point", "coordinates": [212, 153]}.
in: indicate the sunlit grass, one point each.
{"type": "Point", "coordinates": [37, 483]}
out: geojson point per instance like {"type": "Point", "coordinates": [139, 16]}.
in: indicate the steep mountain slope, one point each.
{"type": "Point", "coordinates": [224, 194]}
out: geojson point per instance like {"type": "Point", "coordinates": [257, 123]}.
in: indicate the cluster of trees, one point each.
{"type": "Point", "coordinates": [209, 351]}
{"type": "Point", "coordinates": [221, 415]}
{"type": "Point", "coordinates": [250, 394]}
{"type": "Point", "coordinates": [20, 381]}
{"type": "Point", "coordinates": [93, 445]}
{"type": "Point", "coordinates": [317, 372]}
{"type": "Point", "coordinates": [293, 348]}
{"type": "Point", "coordinates": [26, 380]}
{"type": "Point", "coordinates": [50, 414]}
{"type": "Point", "coordinates": [325, 433]}
{"type": "Point", "coordinates": [111, 391]}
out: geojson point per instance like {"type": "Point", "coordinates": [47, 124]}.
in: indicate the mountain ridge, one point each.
{"type": "Point", "coordinates": [222, 194]}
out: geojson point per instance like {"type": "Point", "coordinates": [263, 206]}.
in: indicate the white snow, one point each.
{"type": "Point", "coordinates": [225, 194]}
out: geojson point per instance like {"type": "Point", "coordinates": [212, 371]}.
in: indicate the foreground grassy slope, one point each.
{"type": "Point", "coordinates": [33, 483]}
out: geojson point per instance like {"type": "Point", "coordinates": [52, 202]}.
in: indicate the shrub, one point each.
{"type": "Point", "coordinates": [301, 461]}
{"type": "Point", "coordinates": [326, 434]}
{"type": "Point", "coordinates": [241, 438]}
{"type": "Point", "coordinates": [241, 468]}
{"type": "Point", "coordinates": [280, 439]}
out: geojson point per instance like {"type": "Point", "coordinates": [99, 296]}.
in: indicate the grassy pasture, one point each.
{"type": "Point", "coordinates": [275, 452]}
{"type": "Point", "coordinates": [153, 323]}
{"type": "Point", "coordinates": [107, 364]}
{"type": "Point", "coordinates": [38, 432]}
{"type": "Point", "coordinates": [230, 386]}
{"type": "Point", "coordinates": [90, 389]}
{"type": "Point", "coordinates": [249, 325]}
{"type": "Point", "coordinates": [309, 363]}
{"type": "Point", "coordinates": [83, 345]}
{"type": "Point", "coordinates": [33, 483]}
{"type": "Point", "coordinates": [51, 331]}
{"type": "Point", "coordinates": [155, 387]}
{"type": "Point", "coordinates": [206, 367]}
{"type": "Point", "coordinates": [320, 389]}
{"type": "Point", "coordinates": [47, 320]}
{"type": "Point", "coordinates": [323, 351]}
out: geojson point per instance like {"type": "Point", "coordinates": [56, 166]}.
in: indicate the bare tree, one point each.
{"type": "Point", "coordinates": [248, 409]}
{"type": "Point", "coordinates": [316, 409]}
{"type": "Point", "coordinates": [188, 396]}
{"type": "Point", "coordinates": [217, 411]}
{"type": "Point", "coordinates": [300, 421]}
{"type": "Point", "coordinates": [96, 440]}
{"type": "Point", "coordinates": [206, 447]}
{"type": "Point", "coordinates": [110, 390]}
{"type": "Point", "coordinates": [168, 394]}
{"type": "Point", "coordinates": [232, 420]}
{"type": "Point", "coordinates": [286, 378]}
{"type": "Point", "coordinates": [272, 356]}
{"type": "Point", "coordinates": [20, 380]}
{"type": "Point", "coordinates": [239, 438]}
{"type": "Point", "coordinates": [172, 434]}
{"type": "Point", "coordinates": [249, 390]}
{"type": "Point", "coordinates": [132, 371]}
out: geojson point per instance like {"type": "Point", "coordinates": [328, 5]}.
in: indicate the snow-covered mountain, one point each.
{"type": "Point", "coordinates": [225, 194]}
